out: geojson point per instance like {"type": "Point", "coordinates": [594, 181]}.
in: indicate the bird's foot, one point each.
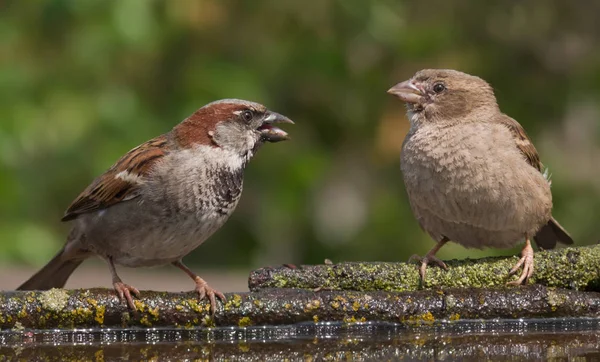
{"type": "Point", "coordinates": [425, 260]}
{"type": "Point", "coordinates": [527, 262]}
{"type": "Point", "coordinates": [124, 292]}
{"type": "Point", "coordinates": [204, 290]}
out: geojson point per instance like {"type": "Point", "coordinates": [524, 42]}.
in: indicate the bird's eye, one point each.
{"type": "Point", "coordinates": [247, 116]}
{"type": "Point", "coordinates": [438, 87]}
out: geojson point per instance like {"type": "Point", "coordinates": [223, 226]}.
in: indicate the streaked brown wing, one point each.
{"type": "Point", "coordinates": [119, 183]}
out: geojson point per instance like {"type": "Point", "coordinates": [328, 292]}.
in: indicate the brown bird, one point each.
{"type": "Point", "coordinates": [471, 173]}
{"type": "Point", "coordinates": [165, 197]}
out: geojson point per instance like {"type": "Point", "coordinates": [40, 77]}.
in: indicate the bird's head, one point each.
{"type": "Point", "coordinates": [435, 94]}
{"type": "Point", "coordinates": [234, 125]}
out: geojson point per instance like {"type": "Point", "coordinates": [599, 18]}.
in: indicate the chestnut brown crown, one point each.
{"type": "Point", "coordinates": [233, 124]}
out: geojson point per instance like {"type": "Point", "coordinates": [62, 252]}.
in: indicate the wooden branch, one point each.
{"type": "Point", "coordinates": [59, 308]}
{"type": "Point", "coordinates": [572, 268]}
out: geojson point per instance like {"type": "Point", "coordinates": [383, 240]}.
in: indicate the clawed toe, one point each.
{"type": "Point", "coordinates": [527, 262]}
{"type": "Point", "coordinates": [204, 290]}
{"type": "Point", "coordinates": [426, 260]}
{"type": "Point", "coordinates": [124, 292]}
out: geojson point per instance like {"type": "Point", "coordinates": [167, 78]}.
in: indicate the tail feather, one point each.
{"type": "Point", "coordinates": [52, 275]}
{"type": "Point", "coordinates": [550, 234]}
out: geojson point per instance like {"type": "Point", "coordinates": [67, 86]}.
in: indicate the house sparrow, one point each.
{"type": "Point", "coordinates": [471, 173]}
{"type": "Point", "coordinates": [165, 197]}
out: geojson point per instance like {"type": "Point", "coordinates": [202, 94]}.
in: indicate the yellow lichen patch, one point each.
{"type": "Point", "coordinates": [335, 304]}
{"type": "Point", "coordinates": [316, 318]}
{"type": "Point", "coordinates": [236, 302]}
{"type": "Point", "coordinates": [349, 319]}
{"type": "Point", "coordinates": [179, 308]}
{"type": "Point", "coordinates": [356, 306]}
{"type": "Point", "coordinates": [54, 299]}
{"type": "Point", "coordinates": [454, 317]}
{"type": "Point", "coordinates": [100, 314]}
{"type": "Point", "coordinates": [145, 321]}
{"type": "Point", "coordinates": [194, 305]}
{"type": "Point", "coordinates": [154, 312]}
{"type": "Point", "coordinates": [340, 299]}
{"type": "Point", "coordinates": [243, 347]}
{"type": "Point", "coordinates": [208, 321]}
{"type": "Point", "coordinates": [23, 312]}
{"type": "Point", "coordinates": [244, 322]}
{"type": "Point", "coordinates": [312, 305]}
{"type": "Point", "coordinates": [258, 303]}
{"type": "Point", "coordinates": [425, 318]}
{"type": "Point", "coordinates": [287, 306]}
{"type": "Point", "coordinates": [139, 305]}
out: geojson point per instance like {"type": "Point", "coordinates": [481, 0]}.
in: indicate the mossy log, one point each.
{"type": "Point", "coordinates": [59, 308]}
{"type": "Point", "coordinates": [571, 268]}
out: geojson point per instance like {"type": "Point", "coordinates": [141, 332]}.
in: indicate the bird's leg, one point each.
{"type": "Point", "coordinates": [123, 290]}
{"type": "Point", "coordinates": [527, 262]}
{"type": "Point", "coordinates": [202, 287]}
{"type": "Point", "coordinates": [430, 258]}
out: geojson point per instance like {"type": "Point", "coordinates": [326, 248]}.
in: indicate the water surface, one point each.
{"type": "Point", "coordinates": [523, 340]}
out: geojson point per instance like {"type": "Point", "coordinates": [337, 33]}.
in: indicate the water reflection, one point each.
{"type": "Point", "coordinates": [464, 340]}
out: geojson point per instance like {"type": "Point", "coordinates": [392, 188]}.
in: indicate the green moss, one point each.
{"type": "Point", "coordinates": [573, 268]}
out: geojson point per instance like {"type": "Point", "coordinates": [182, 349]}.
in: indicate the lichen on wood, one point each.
{"type": "Point", "coordinates": [572, 268]}
{"type": "Point", "coordinates": [68, 309]}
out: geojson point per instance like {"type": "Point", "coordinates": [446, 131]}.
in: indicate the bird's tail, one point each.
{"type": "Point", "coordinates": [550, 234]}
{"type": "Point", "coordinates": [54, 274]}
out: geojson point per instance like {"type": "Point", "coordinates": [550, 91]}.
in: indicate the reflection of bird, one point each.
{"type": "Point", "coordinates": [165, 197]}
{"type": "Point", "coordinates": [471, 173]}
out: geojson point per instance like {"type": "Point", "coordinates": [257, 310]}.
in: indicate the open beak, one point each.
{"type": "Point", "coordinates": [271, 133]}
{"type": "Point", "coordinates": [407, 91]}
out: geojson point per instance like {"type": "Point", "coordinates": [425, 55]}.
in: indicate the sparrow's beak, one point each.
{"type": "Point", "coordinates": [271, 133]}
{"type": "Point", "coordinates": [407, 91]}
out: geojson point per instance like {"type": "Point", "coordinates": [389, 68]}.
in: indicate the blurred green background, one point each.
{"type": "Point", "coordinates": [84, 81]}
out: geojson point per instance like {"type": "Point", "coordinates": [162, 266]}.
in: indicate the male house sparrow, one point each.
{"type": "Point", "coordinates": [165, 197]}
{"type": "Point", "coordinates": [471, 173]}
